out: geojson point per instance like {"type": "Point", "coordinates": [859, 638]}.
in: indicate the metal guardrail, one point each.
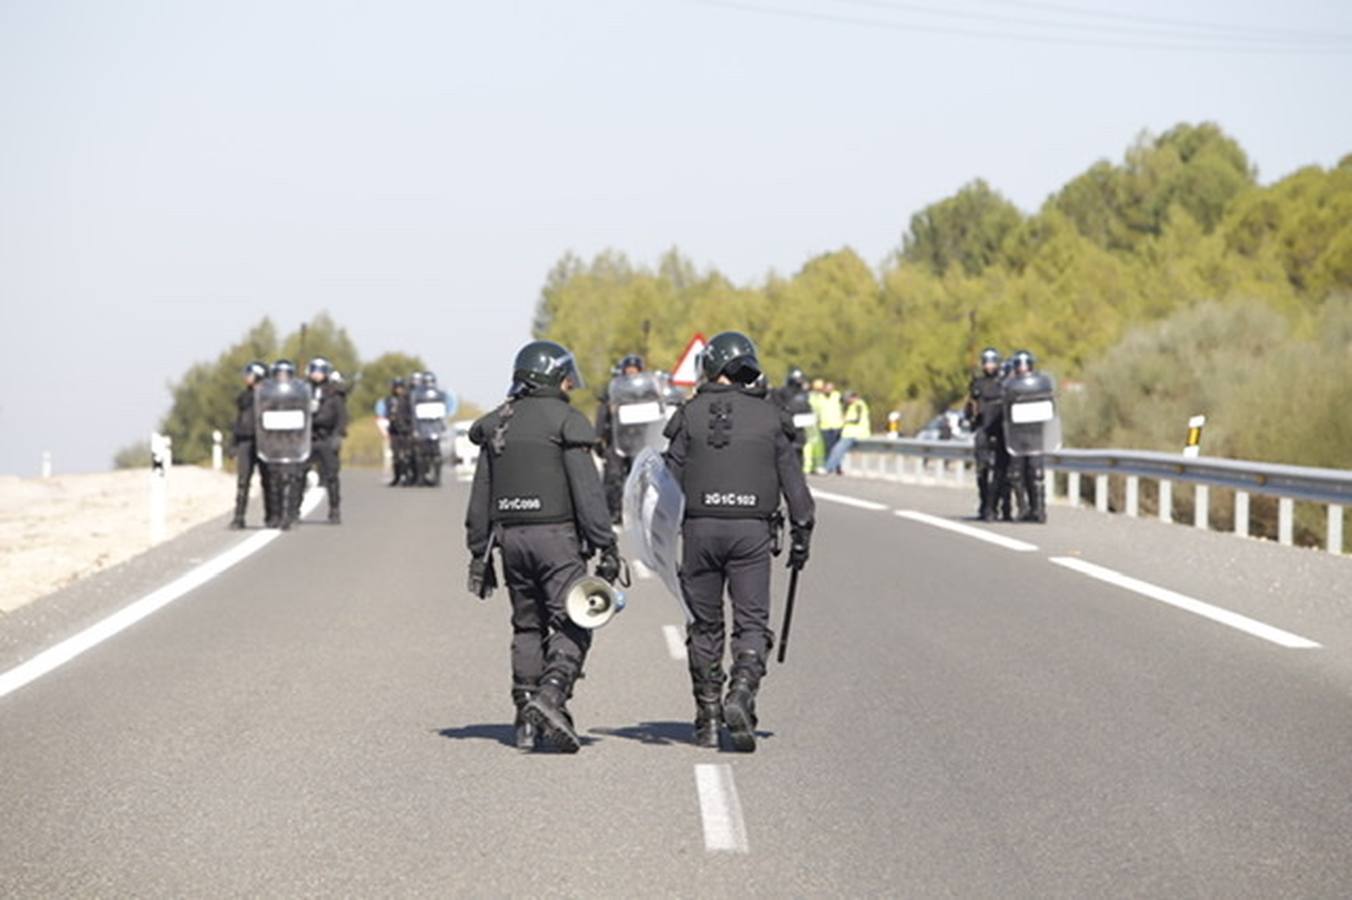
{"type": "Point", "coordinates": [883, 457]}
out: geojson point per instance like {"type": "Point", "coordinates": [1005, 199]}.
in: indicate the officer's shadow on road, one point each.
{"type": "Point", "coordinates": [504, 734]}
{"type": "Point", "coordinates": [660, 734]}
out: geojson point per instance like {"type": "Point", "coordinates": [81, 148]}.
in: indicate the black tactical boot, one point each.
{"type": "Point", "coordinates": [335, 504]}
{"type": "Point", "coordinates": [739, 707]}
{"type": "Point", "coordinates": [548, 712]}
{"type": "Point", "coordinates": [708, 721]}
{"type": "Point", "coordinates": [525, 729]}
{"type": "Point", "coordinates": [241, 504]}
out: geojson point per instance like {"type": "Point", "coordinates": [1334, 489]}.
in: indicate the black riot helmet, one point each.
{"type": "Point", "coordinates": [733, 354]}
{"type": "Point", "coordinates": [796, 378]}
{"type": "Point", "coordinates": [632, 361]}
{"type": "Point", "coordinates": [319, 366]}
{"type": "Point", "coordinates": [545, 364]}
{"type": "Point", "coordinates": [430, 379]}
{"type": "Point", "coordinates": [397, 384]}
{"type": "Point", "coordinates": [1024, 362]}
{"type": "Point", "coordinates": [990, 360]}
{"type": "Point", "coordinates": [255, 371]}
{"type": "Point", "coordinates": [283, 369]}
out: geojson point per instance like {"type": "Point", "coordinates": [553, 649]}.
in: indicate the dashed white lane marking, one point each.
{"type": "Point", "coordinates": [643, 572]}
{"type": "Point", "coordinates": [724, 828]}
{"type": "Point", "coordinates": [848, 501]}
{"type": "Point", "coordinates": [675, 643]}
{"type": "Point", "coordinates": [980, 534]}
{"type": "Point", "coordinates": [1188, 604]}
{"type": "Point", "coordinates": [100, 631]}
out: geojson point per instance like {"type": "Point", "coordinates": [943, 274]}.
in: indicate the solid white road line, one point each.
{"type": "Point", "coordinates": [675, 643]}
{"type": "Point", "coordinates": [1188, 604]}
{"type": "Point", "coordinates": [848, 501]}
{"type": "Point", "coordinates": [124, 618]}
{"type": "Point", "coordinates": [724, 829]}
{"type": "Point", "coordinates": [643, 572]}
{"type": "Point", "coordinates": [980, 534]}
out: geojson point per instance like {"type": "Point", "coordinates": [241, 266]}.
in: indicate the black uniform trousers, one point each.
{"type": "Point", "coordinates": [992, 470]}
{"type": "Point", "coordinates": [615, 471]}
{"type": "Point", "coordinates": [326, 456]}
{"type": "Point", "coordinates": [540, 563]}
{"type": "Point", "coordinates": [245, 463]}
{"type": "Point", "coordinates": [732, 554]}
{"type": "Point", "coordinates": [401, 449]}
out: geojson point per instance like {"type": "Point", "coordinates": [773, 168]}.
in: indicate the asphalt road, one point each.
{"type": "Point", "coordinates": [957, 718]}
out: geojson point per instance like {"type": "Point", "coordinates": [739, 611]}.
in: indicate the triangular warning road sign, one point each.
{"type": "Point", "coordinates": [686, 373]}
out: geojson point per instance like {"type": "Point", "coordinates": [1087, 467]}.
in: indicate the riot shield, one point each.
{"type": "Point", "coordinates": [429, 413]}
{"type": "Point", "coordinates": [654, 507]}
{"type": "Point", "coordinates": [282, 411]}
{"type": "Point", "coordinates": [1032, 421]}
{"type": "Point", "coordinates": [636, 414]}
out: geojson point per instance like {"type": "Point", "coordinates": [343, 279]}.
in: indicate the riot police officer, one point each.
{"type": "Point", "coordinates": [615, 467]}
{"type": "Point", "coordinates": [1027, 474]}
{"type": "Point", "coordinates": [245, 458]}
{"type": "Point", "coordinates": [399, 414]}
{"type": "Point", "coordinates": [284, 468]}
{"type": "Point", "coordinates": [792, 398]}
{"type": "Point", "coordinates": [985, 409]}
{"type": "Point", "coordinates": [328, 425]}
{"type": "Point", "coordinates": [537, 497]}
{"type": "Point", "coordinates": [733, 454]}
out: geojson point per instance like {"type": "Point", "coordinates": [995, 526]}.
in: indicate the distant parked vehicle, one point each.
{"type": "Point", "coordinates": [947, 426]}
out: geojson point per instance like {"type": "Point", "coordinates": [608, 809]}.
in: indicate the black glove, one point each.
{"type": "Point", "coordinates": [609, 565]}
{"type": "Point", "coordinates": [801, 539]}
{"type": "Point", "coordinates": [482, 578]}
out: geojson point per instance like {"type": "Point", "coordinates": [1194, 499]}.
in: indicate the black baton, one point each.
{"type": "Point", "coordinates": [788, 613]}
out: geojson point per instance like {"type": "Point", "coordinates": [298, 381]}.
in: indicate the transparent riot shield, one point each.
{"type": "Point", "coordinates": [429, 414]}
{"type": "Point", "coordinates": [654, 507]}
{"type": "Point", "coordinates": [282, 426]}
{"type": "Point", "coordinates": [637, 416]}
{"type": "Point", "coordinates": [1032, 420]}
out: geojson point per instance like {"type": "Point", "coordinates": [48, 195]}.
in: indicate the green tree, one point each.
{"type": "Point", "coordinates": [965, 230]}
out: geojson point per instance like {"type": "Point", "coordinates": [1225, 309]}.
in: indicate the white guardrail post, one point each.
{"type": "Point", "coordinates": [217, 451]}
{"type": "Point", "coordinates": [944, 463]}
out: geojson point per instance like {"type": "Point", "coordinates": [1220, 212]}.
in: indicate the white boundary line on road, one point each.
{"type": "Point", "coordinates": [719, 808]}
{"type": "Point", "coordinates": [848, 501]}
{"type": "Point", "coordinates": [1188, 604]}
{"type": "Point", "coordinates": [675, 643]}
{"type": "Point", "coordinates": [980, 534]}
{"type": "Point", "coordinates": [129, 615]}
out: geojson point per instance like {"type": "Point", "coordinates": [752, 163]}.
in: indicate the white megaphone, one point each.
{"type": "Point", "coordinates": [592, 601]}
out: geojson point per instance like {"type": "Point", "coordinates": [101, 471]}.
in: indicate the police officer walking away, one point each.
{"type": "Point", "coordinates": [733, 454]}
{"type": "Point", "coordinates": [327, 427]}
{"type": "Point", "coordinates": [537, 497]}
{"type": "Point", "coordinates": [985, 409]}
{"type": "Point", "coordinates": [245, 458]}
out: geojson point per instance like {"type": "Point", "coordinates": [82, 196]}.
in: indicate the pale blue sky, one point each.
{"type": "Point", "coordinates": [170, 172]}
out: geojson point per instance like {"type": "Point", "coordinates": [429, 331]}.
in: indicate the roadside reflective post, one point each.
{"type": "Point", "coordinates": [217, 453]}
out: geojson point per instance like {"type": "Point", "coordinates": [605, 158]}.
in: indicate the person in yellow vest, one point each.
{"type": "Point", "coordinates": [830, 419]}
{"type": "Point", "coordinates": [814, 454]}
{"type": "Point", "coordinates": [855, 427]}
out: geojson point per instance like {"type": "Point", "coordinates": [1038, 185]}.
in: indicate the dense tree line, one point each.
{"type": "Point", "coordinates": [1168, 283]}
